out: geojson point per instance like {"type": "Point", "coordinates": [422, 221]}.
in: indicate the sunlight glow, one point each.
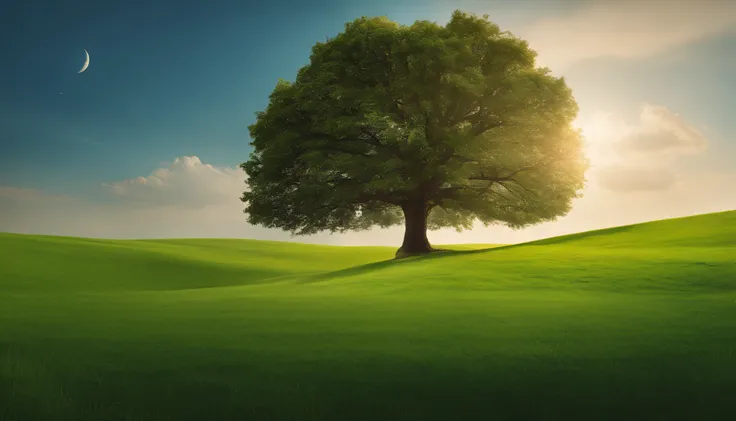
{"type": "Point", "coordinates": [599, 132]}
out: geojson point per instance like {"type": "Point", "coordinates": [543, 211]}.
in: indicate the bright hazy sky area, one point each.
{"type": "Point", "coordinates": [145, 143]}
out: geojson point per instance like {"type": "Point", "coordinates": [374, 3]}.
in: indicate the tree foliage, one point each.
{"type": "Point", "coordinates": [437, 126]}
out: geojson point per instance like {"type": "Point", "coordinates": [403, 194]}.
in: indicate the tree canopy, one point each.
{"type": "Point", "coordinates": [428, 125]}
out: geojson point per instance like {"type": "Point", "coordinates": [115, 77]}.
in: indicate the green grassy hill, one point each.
{"type": "Point", "coordinates": [634, 322]}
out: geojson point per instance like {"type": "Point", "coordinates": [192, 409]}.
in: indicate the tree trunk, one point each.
{"type": "Point", "coordinates": [415, 234]}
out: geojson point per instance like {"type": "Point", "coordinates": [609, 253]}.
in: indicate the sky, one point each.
{"type": "Point", "coordinates": [146, 142]}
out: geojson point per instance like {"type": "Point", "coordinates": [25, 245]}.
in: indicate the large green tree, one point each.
{"type": "Point", "coordinates": [433, 126]}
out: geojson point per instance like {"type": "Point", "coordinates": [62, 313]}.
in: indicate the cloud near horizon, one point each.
{"type": "Point", "coordinates": [187, 182]}
{"type": "Point", "coordinates": [662, 132]}
{"type": "Point", "coordinates": [626, 29]}
{"type": "Point", "coordinates": [641, 156]}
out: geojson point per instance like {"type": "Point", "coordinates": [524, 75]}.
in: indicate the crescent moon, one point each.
{"type": "Point", "coordinates": [86, 62]}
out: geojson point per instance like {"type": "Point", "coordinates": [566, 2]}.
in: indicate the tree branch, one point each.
{"type": "Point", "coordinates": [336, 149]}
{"type": "Point", "coordinates": [533, 193]}
{"type": "Point", "coordinates": [509, 176]}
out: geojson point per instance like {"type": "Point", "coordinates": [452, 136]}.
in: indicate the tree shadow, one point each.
{"type": "Point", "coordinates": [384, 264]}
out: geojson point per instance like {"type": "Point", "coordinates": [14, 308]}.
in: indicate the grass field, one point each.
{"type": "Point", "coordinates": [630, 323]}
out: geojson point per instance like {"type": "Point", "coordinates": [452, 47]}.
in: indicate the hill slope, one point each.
{"type": "Point", "coordinates": [78, 264]}
{"type": "Point", "coordinates": [627, 323]}
{"type": "Point", "coordinates": [672, 254]}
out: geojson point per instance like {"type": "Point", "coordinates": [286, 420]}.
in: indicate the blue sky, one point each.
{"type": "Point", "coordinates": [178, 79]}
{"type": "Point", "coordinates": [166, 79]}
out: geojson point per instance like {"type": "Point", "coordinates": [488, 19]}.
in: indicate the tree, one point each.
{"type": "Point", "coordinates": [428, 125]}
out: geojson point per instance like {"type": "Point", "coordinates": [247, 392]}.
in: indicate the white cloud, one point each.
{"type": "Point", "coordinates": [627, 29]}
{"type": "Point", "coordinates": [660, 131]}
{"type": "Point", "coordinates": [187, 182]}
{"type": "Point", "coordinates": [640, 156]}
